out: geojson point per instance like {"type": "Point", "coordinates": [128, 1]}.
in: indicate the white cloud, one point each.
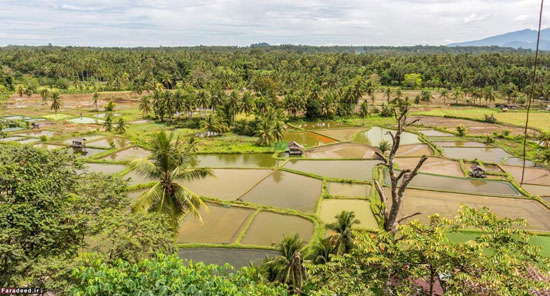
{"type": "Point", "coordinates": [475, 18]}
{"type": "Point", "coordinates": [242, 22]}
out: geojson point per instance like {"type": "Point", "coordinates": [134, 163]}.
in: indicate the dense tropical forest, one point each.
{"type": "Point", "coordinates": [73, 231]}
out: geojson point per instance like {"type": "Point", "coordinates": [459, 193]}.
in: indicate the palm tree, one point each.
{"type": "Point", "coordinates": [108, 124]}
{"type": "Point", "coordinates": [270, 127]}
{"type": "Point", "coordinates": [234, 104]}
{"type": "Point", "coordinates": [322, 250]}
{"type": "Point", "coordinates": [145, 105]}
{"type": "Point", "coordinates": [56, 103]}
{"type": "Point", "coordinates": [95, 100]}
{"type": "Point", "coordinates": [384, 146]}
{"type": "Point", "coordinates": [44, 94]}
{"type": "Point", "coordinates": [544, 139]}
{"type": "Point", "coordinates": [342, 240]}
{"type": "Point", "coordinates": [121, 126]}
{"type": "Point", "coordinates": [288, 268]}
{"type": "Point", "coordinates": [364, 110]}
{"type": "Point", "coordinates": [170, 163]}
{"type": "Point", "coordinates": [247, 104]}
{"type": "Point", "coordinates": [444, 95]}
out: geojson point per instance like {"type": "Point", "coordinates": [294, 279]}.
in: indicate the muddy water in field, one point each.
{"type": "Point", "coordinates": [37, 133]}
{"type": "Point", "coordinates": [414, 150]}
{"type": "Point", "coordinates": [84, 152]}
{"type": "Point", "coordinates": [128, 154]}
{"type": "Point", "coordinates": [104, 168]}
{"type": "Point", "coordinates": [332, 207]}
{"type": "Point", "coordinates": [538, 176]}
{"type": "Point", "coordinates": [286, 190]}
{"type": "Point", "coordinates": [435, 133]}
{"type": "Point", "coordinates": [447, 205]}
{"type": "Point", "coordinates": [375, 135]}
{"type": "Point", "coordinates": [348, 190]}
{"type": "Point", "coordinates": [342, 150]}
{"type": "Point", "coordinates": [343, 169]}
{"type": "Point", "coordinates": [307, 138]}
{"type": "Point", "coordinates": [250, 160]}
{"type": "Point", "coordinates": [482, 186]}
{"type": "Point", "coordinates": [235, 257]}
{"type": "Point", "coordinates": [537, 189]}
{"type": "Point", "coordinates": [461, 144]}
{"type": "Point", "coordinates": [321, 125]}
{"type": "Point", "coordinates": [519, 161]}
{"type": "Point", "coordinates": [109, 143]}
{"type": "Point", "coordinates": [226, 184]}
{"type": "Point", "coordinates": [432, 165]}
{"type": "Point", "coordinates": [342, 134]}
{"type": "Point", "coordinates": [269, 228]}
{"type": "Point", "coordinates": [220, 225]}
{"type": "Point", "coordinates": [494, 155]}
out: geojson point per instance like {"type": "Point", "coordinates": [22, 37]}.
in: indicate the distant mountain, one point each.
{"type": "Point", "coordinates": [526, 39]}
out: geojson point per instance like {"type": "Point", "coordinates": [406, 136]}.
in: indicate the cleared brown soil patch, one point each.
{"type": "Point", "coordinates": [344, 150]}
{"type": "Point", "coordinates": [473, 127]}
{"type": "Point", "coordinates": [537, 176]}
{"type": "Point", "coordinates": [433, 165]}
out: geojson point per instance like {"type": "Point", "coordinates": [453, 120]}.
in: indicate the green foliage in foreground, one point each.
{"type": "Point", "coordinates": [168, 275]}
{"type": "Point", "coordinates": [497, 262]}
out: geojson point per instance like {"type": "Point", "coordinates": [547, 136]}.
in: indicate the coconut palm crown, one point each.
{"type": "Point", "coordinates": [170, 163]}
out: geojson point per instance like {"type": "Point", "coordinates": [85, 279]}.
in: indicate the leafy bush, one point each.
{"type": "Point", "coordinates": [461, 130]}
{"type": "Point", "coordinates": [168, 275]}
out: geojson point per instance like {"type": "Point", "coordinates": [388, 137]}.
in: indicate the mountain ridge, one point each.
{"type": "Point", "coordinates": [526, 39]}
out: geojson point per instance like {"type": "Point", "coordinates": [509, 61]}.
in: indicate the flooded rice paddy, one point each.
{"type": "Point", "coordinates": [135, 178]}
{"type": "Point", "coordinates": [84, 152]}
{"type": "Point", "coordinates": [269, 228]}
{"type": "Point", "coordinates": [494, 155]}
{"type": "Point", "coordinates": [249, 160]}
{"type": "Point", "coordinates": [340, 169]}
{"type": "Point", "coordinates": [109, 143]}
{"type": "Point", "coordinates": [447, 205]}
{"type": "Point", "coordinates": [460, 143]}
{"type": "Point", "coordinates": [37, 133]}
{"type": "Point", "coordinates": [330, 208]}
{"type": "Point", "coordinates": [48, 146]}
{"type": "Point", "coordinates": [220, 225]}
{"type": "Point", "coordinates": [11, 139]}
{"type": "Point", "coordinates": [466, 185]}
{"type": "Point", "coordinates": [103, 168]}
{"type": "Point", "coordinates": [414, 150]}
{"type": "Point", "coordinates": [341, 150]}
{"type": "Point", "coordinates": [435, 133]}
{"type": "Point", "coordinates": [433, 165]}
{"type": "Point", "coordinates": [286, 190]}
{"type": "Point", "coordinates": [342, 134]}
{"type": "Point", "coordinates": [537, 176]}
{"type": "Point", "coordinates": [128, 154]}
{"type": "Point", "coordinates": [375, 135]}
{"type": "Point", "coordinates": [234, 256]}
{"type": "Point", "coordinates": [307, 138]}
{"type": "Point", "coordinates": [226, 184]}
{"type": "Point", "coordinates": [540, 190]}
{"type": "Point", "coordinates": [348, 190]}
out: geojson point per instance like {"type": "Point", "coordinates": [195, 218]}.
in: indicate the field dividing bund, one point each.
{"type": "Point", "coordinates": [128, 154]}
{"type": "Point", "coordinates": [269, 228]}
{"type": "Point", "coordinates": [337, 169]}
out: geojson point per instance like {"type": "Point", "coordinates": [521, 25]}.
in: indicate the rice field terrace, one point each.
{"type": "Point", "coordinates": [255, 196]}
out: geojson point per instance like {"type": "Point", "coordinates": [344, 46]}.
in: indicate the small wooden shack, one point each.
{"type": "Point", "coordinates": [477, 172]}
{"type": "Point", "coordinates": [295, 148]}
{"type": "Point", "coordinates": [78, 143]}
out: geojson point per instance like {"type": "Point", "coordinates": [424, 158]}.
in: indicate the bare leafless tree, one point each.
{"type": "Point", "coordinates": [399, 179]}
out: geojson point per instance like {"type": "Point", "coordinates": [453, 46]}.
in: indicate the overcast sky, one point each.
{"type": "Point", "coordinates": [242, 22]}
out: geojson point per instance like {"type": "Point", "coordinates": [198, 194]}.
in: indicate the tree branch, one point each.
{"type": "Point", "coordinates": [408, 216]}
